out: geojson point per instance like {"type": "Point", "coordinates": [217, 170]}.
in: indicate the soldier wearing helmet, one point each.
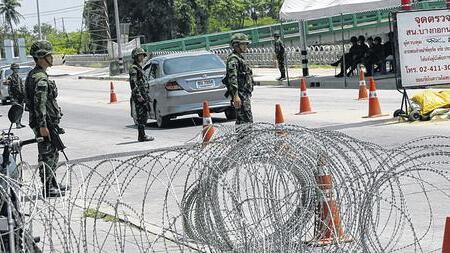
{"type": "Point", "coordinates": [279, 52]}
{"type": "Point", "coordinates": [239, 79]}
{"type": "Point", "coordinates": [45, 115]}
{"type": "Point", "coordinates": [16, 90]}
{"type": "Point", "coordinates": [140, 92]}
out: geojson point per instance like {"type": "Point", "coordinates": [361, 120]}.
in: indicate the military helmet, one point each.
{"type": "Point", "coordinates": [14, 66]}
{"type": "Point", "coordinates": [239, 38]}
{"type": "Point", "coordinates": [138, 51]}
{"type": "Point", "coordinates": [276, 34]}
{"type": "Point", "coordinates": [41, 48]}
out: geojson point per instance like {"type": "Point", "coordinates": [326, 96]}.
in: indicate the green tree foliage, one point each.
{"type": "Point", "coordinates": [63, 43]}
{"type": "Point", "coordinates": [154, 19]}
{"type": "Point", "coordinates": [158, 20]}
{"type": "Point", "coordinates": [46, 30]}
{"type": "Point", "coordinates": [96, 22]}
{"type": "Point", "coordinates": [8, 8]}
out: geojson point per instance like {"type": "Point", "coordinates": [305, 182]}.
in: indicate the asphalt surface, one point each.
{"type": "Point", "coordinates": [98, 130]}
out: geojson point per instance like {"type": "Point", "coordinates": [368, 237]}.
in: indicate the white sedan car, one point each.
{"type": "Point", "coordinates": [179, 83]}
{"type": "Point", "coordinates": [5, 72]}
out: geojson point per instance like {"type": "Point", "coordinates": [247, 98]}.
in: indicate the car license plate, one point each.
{"type": "Point", "coordinates": [205, 84]}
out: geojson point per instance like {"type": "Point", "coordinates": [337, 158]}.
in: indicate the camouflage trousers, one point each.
{"type": "Point", "coordinates": [244, 113]}
{"type": "Point", "coordinates": [141, 112]}
{"type": "Point", "coordinates": [48, 157]}
{"type": "Point", "coordinates": [19, 102]}
{"type": "Point", "coordinates": [244, 119]}
{"type": "Point", "coordinates": [280, 60]}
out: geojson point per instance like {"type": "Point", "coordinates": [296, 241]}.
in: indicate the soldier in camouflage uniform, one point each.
{"type": "Point", "coordinates": [240, 79]}
{"type": "Point", "coordinates": [16, 90]}
{"type": "Point", "coordinates": [140, 92]}
{"type": "Point", "coordinates": [45, 115]}
{"type": "Point", "coordinates": [279, 52]}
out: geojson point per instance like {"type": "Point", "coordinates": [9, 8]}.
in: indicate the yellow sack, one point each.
{"type": "Point", "coordinates": [431, 100]}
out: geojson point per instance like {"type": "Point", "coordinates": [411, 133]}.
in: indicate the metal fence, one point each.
{"type": "Point", "coordinates": [265, 56]}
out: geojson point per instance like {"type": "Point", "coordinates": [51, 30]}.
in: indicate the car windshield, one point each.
{"type": "Point", "coordinates": [192, 64]}
{"type": "Point", "coordinates": [22, 71]}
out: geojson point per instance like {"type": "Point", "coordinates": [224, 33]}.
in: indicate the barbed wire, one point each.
{"type": "Point", "coordinates": [256, 188]}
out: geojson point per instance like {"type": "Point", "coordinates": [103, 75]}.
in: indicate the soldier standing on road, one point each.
{"type": "Point", "coordinates": [140, 92]}
{"type": "Point", "coordinates": [240, 79]}
{"type": "Point", "coordinates": [279, 52]}
{"type": "Point", "coordinates": [45, 115]}
{"type": "Point", "coordinates": [17, 90]}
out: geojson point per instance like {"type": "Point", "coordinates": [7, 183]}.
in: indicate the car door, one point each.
{"type": "Point", "coordinates": [4, 92]}
{"type": "Point", "coordinates": [152, 73]}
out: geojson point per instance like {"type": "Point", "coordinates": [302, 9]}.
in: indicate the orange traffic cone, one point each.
{"type": "Point", "coordinates": [328, 226]}
{"type": "Point", "coordinates": [374, 104]}
{"type": "Point", "coordinates": [279, 119]}
{"type": "Point", "coordinates": [362, 86]}
{"type": "Point", "coordinates": [305, 106]}
{"type": "Point", "coordinates": [446, 241]}
{"type": "Point", "coordinates": [113, 96]}
{"type": "Point", "coordinates": [208, 128]}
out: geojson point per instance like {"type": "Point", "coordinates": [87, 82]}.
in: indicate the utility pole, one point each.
{"type": "Point", "coordinates": [118, 36]}
{"type": "Point", "coordinates": [39, 20]}
{"type": "Point", "coordinates": [54, 20]}
{"type": "Point", "coordinates": [64, 26]}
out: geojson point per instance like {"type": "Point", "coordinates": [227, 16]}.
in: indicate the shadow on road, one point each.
{"type": "Point", "coordinates": [128, 142]}
{"type": "Point", "coordinates": [180, 123]}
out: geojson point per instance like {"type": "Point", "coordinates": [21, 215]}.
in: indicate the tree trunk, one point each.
{"type": "Point", "coordinates": [15, 49]}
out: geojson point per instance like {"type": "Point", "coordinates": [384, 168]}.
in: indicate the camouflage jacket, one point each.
{"type": "Point", "coordinates": [279, 48]}
{"type": "Point", "coordinates": [41, 94]}
{"type": "Point", "coordinates": [139, 87]}
{"type": "Point", "coordinates": [16, 88]}
{"type": "Point", "coordinates": [240, 76]}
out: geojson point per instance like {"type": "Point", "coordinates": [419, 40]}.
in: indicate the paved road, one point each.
{"type": "Point", "coordinates": [95, 127]}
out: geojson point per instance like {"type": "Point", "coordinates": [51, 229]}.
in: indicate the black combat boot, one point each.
{"type": "Point", "coordinates": [19, 125]}
{"type": "Point", "coordinates": [60, 187]}
{"type": "Point", "coordinates": [283, 76]}
{"type": "Point", "coordinates": [141, 134]}
{"type": "Point", "coordinates": [49, 191]}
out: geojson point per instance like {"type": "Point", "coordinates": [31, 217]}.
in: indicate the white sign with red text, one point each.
{"type": "Point", "coordinates": [424, 47]}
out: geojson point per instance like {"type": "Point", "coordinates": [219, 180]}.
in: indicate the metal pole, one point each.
{"type": "Point", "coordinates": [304, 52]}
{"type": "Point", "coordinates": [63, 25]}
{"type": "Point", "coordinates": [12, 244]}
{"type": "Point", "coordinates": [118, 36]}
{"type": "Point", "coordinates": [343, 51]}
{"type": "Point", "coordinates": [39, 20]}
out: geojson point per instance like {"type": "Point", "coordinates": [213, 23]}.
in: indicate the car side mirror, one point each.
{"type": "Point", "coordinates": [14, 113]}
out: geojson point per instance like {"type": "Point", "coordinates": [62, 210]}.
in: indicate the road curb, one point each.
{"type": "Point", "coordinates": [59, 75]}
